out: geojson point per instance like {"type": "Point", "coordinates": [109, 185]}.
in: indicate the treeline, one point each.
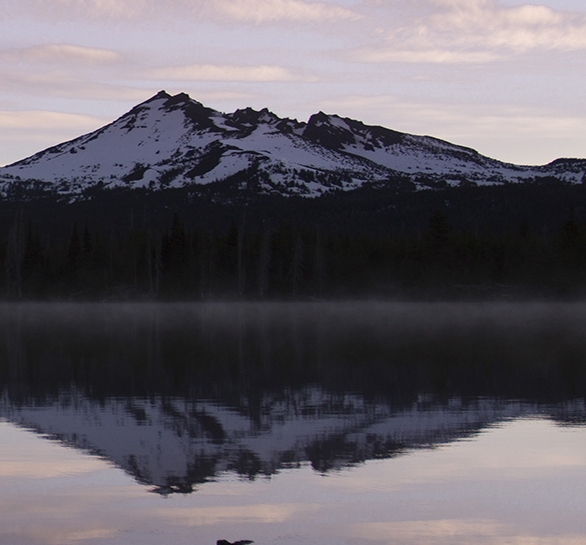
{"type": "Point", "coordinates": [286, 261]}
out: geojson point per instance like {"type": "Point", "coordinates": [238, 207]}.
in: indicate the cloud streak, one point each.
{"type": "Point", "coordinates": [268, 11]}
{"type": "Point", "coordinates": [212, 72]}
{"type": "Point", "coordinates": [43, 120]}
{"type": "Point", "coordinates": [23, 133]}
{"type": "Point", "coordinates": [435, 56]}
{"type": "Point", "coordinates": [244, 11]}
{"type": "Point", "coordinates": [60, 53]}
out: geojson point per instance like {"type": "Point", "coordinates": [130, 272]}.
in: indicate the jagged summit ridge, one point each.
{"type": "Point", "coordinates": [175, 141]}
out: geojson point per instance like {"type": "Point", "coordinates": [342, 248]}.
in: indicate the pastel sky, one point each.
{"type": "Point", "coordinates": [506, 77]}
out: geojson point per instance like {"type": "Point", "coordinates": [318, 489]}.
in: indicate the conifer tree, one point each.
{"type": "Point", "coordinates": [14, 257]}
{"type": "Point", "coordinates": [264, 263]}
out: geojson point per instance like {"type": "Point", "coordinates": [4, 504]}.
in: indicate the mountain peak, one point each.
{"type": "Point", "coordinates": [318, 118]}
{"type": "Point", "coordinates": [170, 100]}
{"type": "Point", "coordinates": [329, 131]}
{"type": "Point", "coordinates": [180, 98]}
{"type": "Point", "coordinates": [251, 117]}
{"type": "Point", "coordinates": [159, 96]}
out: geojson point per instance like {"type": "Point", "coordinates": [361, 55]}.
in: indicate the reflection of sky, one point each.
{"type": "Point", "coordinates": [519, 483]}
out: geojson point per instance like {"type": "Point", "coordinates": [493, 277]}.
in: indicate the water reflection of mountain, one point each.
{"type": "Point", "coordinates": [174, 444]}
{"type": "Point", "coordinates": [176, 394]}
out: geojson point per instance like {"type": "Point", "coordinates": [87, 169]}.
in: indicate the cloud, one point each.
{"type": "Point", "coordinates": [93, 9]}
{"type": "Point", "coordinates": [465, 31]}
{"type": "Point", "coordinates": [212, 72]}
{"type": "Point", "coordinates": [60, 53]}
{"type": "Point", "coordinates": [70, 84]}
{"type": "Point", "coordinates": [437, 56]}
{"type": "Point", "coordinates": [225, 95]}
{"type": "Point", "coordinates": [246, 11]}
{"type": "Point", "coordinates": [485, 23]}
{"type": "Point", "coordinates": [44, 120]}
{"type": "Point", "coordinates": [263, 11]}
{"type": "Point", "coordinates": [23, 133]}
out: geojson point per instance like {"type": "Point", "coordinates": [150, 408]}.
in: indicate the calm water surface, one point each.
{"type": "Point", "coordinates": [346, 423]}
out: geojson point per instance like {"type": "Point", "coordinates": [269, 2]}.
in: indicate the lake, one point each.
{"type": "Point", "coordinates": [355, 423]}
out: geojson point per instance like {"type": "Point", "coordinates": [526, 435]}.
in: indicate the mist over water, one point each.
{"type": "Point", "coordinates": [181, 397]}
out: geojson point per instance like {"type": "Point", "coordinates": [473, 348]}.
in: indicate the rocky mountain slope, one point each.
{"type": "Point", "coordinates": [175, 141]}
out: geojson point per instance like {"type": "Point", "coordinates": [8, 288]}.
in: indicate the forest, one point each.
{"type": "Point", "coordinates": [290, 261]}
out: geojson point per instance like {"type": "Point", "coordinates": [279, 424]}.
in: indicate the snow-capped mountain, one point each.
{"type": "Point", "coordinates": [175, 141]}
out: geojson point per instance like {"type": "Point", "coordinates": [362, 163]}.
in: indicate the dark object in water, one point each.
{"type": "Point", "coordinates": [241, 542]}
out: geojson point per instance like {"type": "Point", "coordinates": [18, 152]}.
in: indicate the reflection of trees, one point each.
{"type": "Point", "coordinates": [332, 453]}
{"type": "Point", "coordinates": [229, 350]}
